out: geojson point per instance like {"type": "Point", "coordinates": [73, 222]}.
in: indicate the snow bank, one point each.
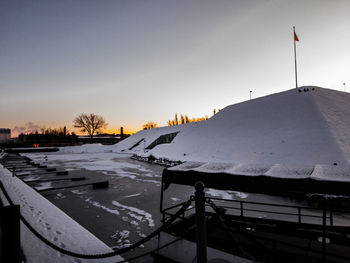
{"type": "Point", "coordinates": [281, 135]}
{"type": "Point", "coordinates": [289, 128]}
{"type": "Point", "coordinates": [52, 223]}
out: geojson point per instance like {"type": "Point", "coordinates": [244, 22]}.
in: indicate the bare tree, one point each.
{"type": "Point", "coordinates": [90, 123]}
{"type": "Point", "coordinates": [149, 125]}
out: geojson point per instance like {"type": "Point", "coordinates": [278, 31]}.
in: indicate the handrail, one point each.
{"type": "Point", "coordinates": [324, 213]}
{"type": "Point", "coordinates": [277, 205]}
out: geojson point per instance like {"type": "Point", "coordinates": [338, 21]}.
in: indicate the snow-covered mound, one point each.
{"type": "Point", "coordinates": [301, 127]}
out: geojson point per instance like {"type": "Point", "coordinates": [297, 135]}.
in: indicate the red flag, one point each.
{"type": "Point", "coordinates": [296, 37]}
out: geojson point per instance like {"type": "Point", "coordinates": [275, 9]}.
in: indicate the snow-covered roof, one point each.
{"type": "Point", "coordinates": [297, 134]}
{"type": "Point", "coordinates": [294, 127]}
{"type": "Point", "coordinates": [262, 178]}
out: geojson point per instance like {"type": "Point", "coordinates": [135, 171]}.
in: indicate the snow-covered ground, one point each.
{"type": "Point", "coordinates": [284, 134]}
{"type": "Point", "coordinates": [291, 127]}
{"type": "Point", "coordinates": [128, 209]}
{"type": "Point", "coordinates": [289, 134]}
{"type": "Point", "coordinates": [52, 223]}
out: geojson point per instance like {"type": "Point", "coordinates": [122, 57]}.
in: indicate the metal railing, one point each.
{"type": "Point", "coordinates": [323, 216]}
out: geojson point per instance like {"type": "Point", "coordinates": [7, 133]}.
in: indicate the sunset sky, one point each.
{"type": "Point", "coordinates": [139, 61]}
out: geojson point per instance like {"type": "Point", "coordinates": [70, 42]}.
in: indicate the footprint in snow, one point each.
{"type": "Point", "coordinates": [58, 233]}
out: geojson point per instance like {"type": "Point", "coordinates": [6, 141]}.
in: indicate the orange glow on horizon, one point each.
{"type": "Point", "coordinates": [109, 131]}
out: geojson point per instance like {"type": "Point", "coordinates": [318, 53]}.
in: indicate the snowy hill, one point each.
{"type": "Point", "coordinates": [297, 127]}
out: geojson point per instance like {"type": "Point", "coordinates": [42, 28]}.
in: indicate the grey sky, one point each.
{"type": "Point", "coordinates": [139, 61]}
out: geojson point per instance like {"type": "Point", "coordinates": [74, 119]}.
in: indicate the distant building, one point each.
{"type": "Point", "coordinates": [5, 134]}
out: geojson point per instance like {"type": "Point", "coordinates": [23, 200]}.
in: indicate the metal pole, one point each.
{"type": "Point", "coordinates": [201, 231]}
{"type": "Point", "coordinates": [250, 95]}
{"type": "Point", "coordinates": [295, 59]}
{"type": "Point", "coordinates": [10, 226]}
{"type": "Point", "coordinates": [324, 256]}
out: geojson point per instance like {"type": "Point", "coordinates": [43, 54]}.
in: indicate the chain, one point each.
{"type": "Point", "coordinates": [219, 210]}
{"type": "Point", "coordinates": [185, 205]}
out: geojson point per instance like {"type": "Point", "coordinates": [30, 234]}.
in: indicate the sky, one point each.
{"type": "Point", "coordinates": [138, 61]}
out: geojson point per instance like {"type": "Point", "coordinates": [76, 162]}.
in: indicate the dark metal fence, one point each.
{"type": "Point", "coordinates": [323, 215]}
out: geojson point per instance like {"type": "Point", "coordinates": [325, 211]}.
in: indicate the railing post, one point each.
{"type": "Point", "coordinates": [299, 215]}
{"type": "Point", "coordinates": [10, 227]}
{"type": "Point", "coordinates": [201, 229]}
{"type": "Point", "coordinates": [324, 256]}
{"type": "Point", "coordinates": [241, 204]}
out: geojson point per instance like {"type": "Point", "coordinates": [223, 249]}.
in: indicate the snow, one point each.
{"type": "Point", "coordinates": [289, 134]}
{"type": "Point", "coordinates": [283, 135]}
{"type": "Point", "coordinates": [98, 205]}
{"type": "Point", "coordinates": [226, 194]}
{"type": "Point", "coordinates": [99, 161]}
{"type": "Point", "coordinates": [43, 186]}
{"type": "Point", "coordinates": [52, 223]}
{"type": "Point", "coordinates": [287, 128]}
{"type": "Point", "coordinates": [122, 239]}
{"type": "Point", "coordinates": [141, 214]}
{"type": "Point", "coordinates": [132, 195]}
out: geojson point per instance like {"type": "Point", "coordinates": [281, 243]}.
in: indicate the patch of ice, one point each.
{"type": "Point", "coordinates": [31, 178]}
{"type": "Point", "coordinates": [97, 204]}
{"type": "Point", "coordinates": [239, 194]}
{"type": "Point", "coordinates": [149, 181]}
{"type": "Point", "coordinates": [140, 234]}
{"type": "Point", "coordinates": [60, 196]}
{"type": "Point", "coordinates": [43, 186]}
{"type": "Point", "coordinates": [135, 216]}
{"type": "Point", "coordinates": [78, 192]}
{"type": "Point", "coordinates": [122, 239]}
{"type": "Point", "coordinates": [219, 193]}
{"type": "Point", "coordinates": [127, 196]}
{"type": "Point", "coordinates": [145, 215]}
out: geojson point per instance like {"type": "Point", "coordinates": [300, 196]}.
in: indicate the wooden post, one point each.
{"type": "Point", "coordinates": [10, 227]}
{"type": "Point", "coordinates": [201, 230]}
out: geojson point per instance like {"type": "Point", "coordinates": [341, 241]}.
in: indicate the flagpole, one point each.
{"type": "Point", "coordinates": [295, 59]}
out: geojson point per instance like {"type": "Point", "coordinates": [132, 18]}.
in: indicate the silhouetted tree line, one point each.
{"type": "Point", "coordinates": [149, 125]}
{"type": "Point", "coordinates": [44, 136]}
{"type": "Point", "coordinates": [185, 119]}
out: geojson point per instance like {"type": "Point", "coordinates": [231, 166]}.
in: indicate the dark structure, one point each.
{"type": "Point", "coordinates": [5, 134]}
{"type": "Point", "coordinates": [248, 231]}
